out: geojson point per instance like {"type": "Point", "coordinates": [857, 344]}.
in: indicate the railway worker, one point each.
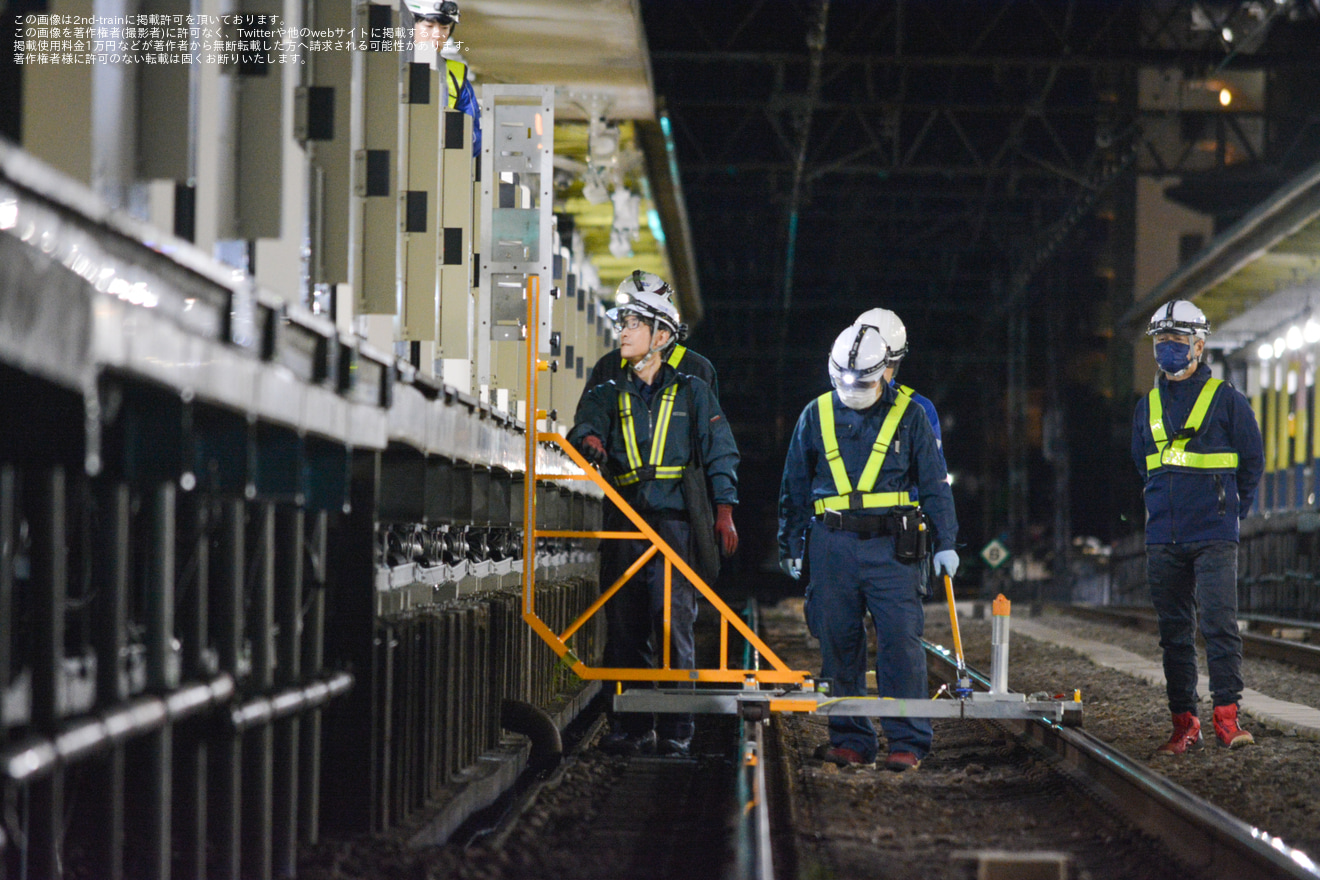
{"type": "Point", "coordinates": [613, 365]}
{"type": "Point", "coordinates": [895, 333]}
{"type": "Point", "coordinates": [644, 428]}
{"type": "Point", "coordinates": [844, 507]}
{"type": "Point", "coordinates": [434, 22]}
{"type": "Point", "coordinates": [1198, 448]}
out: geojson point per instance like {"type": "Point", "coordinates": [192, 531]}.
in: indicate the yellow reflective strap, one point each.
{"type": "Point", "coordinates": [676, 355]}
{"type": "Point", "coordinates": [457, 73]}
{"type": "Point", "coordinates": [1175, 454]}
{"type": "Point", "coordinates": [842, 484]}
{"type": "Point", "coordinates": [1202, 405]}
{"type": "Point", "coordinates": [629, 431]}
{"type": "Point", "coordinates": [869, 499]}
{"type": "Point", "coordinates": [662, 425]}
{"type": "Point", "coordinates": [1157, 417]}
{"type": "Point", "coordinates": [882, 441]}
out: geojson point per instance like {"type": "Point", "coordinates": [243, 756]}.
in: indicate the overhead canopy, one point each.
{"type": "Point", "coordinates": [596, 56]}
{"type": "Point", "coordinates": [1258, 275]}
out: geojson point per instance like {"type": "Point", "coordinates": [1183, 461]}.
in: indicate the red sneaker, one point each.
{"type": "Point", "coordinates": [902, 761]}
{"type": "Point", "coordinates": [1186, 734]}
{"type": "Point", "coordinates": [1226, 728]}
{"type": "Point", "coordinates": [842, 756]}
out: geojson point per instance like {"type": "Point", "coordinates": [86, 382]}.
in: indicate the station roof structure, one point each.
{"type": "Point", "coordinates": [1258, 276]}
{"type": "Point", "coordinates": [597, 56]}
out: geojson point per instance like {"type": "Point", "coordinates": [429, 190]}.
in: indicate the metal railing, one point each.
{"type": "Point", "coordinates": [777, 673]}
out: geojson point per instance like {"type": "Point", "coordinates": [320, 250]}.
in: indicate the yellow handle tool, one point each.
{"type": "Point", "coordinates": [953, 622]}
{"type": "Point", "coordinates": [963, 689]}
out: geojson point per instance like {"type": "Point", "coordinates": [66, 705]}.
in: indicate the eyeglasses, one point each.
{"type": "Point", "coordinates": [628, 322]}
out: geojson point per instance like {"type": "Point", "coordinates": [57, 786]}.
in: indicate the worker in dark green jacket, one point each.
{"type": "Point", "coordinates": [644, 429]}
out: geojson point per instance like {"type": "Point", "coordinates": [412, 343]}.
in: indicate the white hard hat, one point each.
{"type": "Point", "coordinates": [643, 282]}
{"type": "Point", "coordinates": [1179, 317]}
{"type": "Point", "coordinates": [890, 327]}
{"type": "Point", "coordinates": [444, 11]}
{"type": "Point", "coordinates": [859, 356]}
{"type": "Point", "coordinates": [649, 306]}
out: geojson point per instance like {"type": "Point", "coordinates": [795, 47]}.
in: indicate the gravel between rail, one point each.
{"type": "Point", "coordinates": [970, 797]}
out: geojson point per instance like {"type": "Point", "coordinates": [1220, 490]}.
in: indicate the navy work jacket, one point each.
{"type": "Point", "coordinates": [913, 460]}
{"type": "Point", "coordinates": [1187, 504]}
{"type": "Point", "coordinates": [696, 415]}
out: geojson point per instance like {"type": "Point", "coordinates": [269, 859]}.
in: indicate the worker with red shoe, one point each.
{"type": "Point", "coordinates": [845, 508]}
{"type": "Point", "coordinates": [1196, 444]}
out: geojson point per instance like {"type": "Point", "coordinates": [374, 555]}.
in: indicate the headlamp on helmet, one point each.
{"type": "Point", "coordinates": [1179, 317]}
{"type": "Point", "coordinates": [436, 11]}
{"type": "Point", "coordinates": [859, 357]}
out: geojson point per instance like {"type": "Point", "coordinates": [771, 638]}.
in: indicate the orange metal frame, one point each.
{"type": "Point", "coordinates": [778, 673]}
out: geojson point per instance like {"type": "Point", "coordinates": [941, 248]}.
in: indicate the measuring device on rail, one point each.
{"type": "Point", "coordinates": [773, 687]}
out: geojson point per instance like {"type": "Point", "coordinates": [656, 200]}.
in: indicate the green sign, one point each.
{"type": "Point", "coordinates": [995, 553]}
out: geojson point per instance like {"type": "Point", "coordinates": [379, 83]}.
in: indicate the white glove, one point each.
{"type": "Point", "coordinates": [791, 567]}
{"type": "Point", "coordinates": [946, 562]}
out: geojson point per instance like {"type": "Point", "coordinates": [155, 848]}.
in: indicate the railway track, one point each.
{"type": "Point", "coordinates": [1269, 638]}
{"type": "Point", "coordinates": [1217, 844]}
{"type": "Point", "coordinates": [1010, 793]}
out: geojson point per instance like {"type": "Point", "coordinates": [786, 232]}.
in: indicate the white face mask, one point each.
{"type": "Point", "coordinates": [859, 398]}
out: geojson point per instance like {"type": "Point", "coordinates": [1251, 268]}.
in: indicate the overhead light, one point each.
{"type": "Point", "coordinates": [1225, 97]}
{"type": "Point", "coordinates": [1227, 34]}
{"type": "Point", "coordinates": [1311, 332]}
{"type": "Point", "coordinates": [1278, 347]}
{"type": "Point", "coordinates": [1265, 352]}
{"type": "Point", "coordinates": [1294, 337]}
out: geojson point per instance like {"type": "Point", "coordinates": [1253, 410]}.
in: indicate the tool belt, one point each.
{"type": "Point", "coordinates": [909, 525]}
{"type": "Point", "coordinates": [866, 526]}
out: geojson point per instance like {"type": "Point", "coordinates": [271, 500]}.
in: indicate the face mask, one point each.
{"type": "Point", "coordinates": [1173, 357]}
{"type": "Point", "coordinates": [859, 398]}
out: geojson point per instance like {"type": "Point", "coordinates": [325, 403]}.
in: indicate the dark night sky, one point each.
{"type": "Point", "coordinates": [969, 165]}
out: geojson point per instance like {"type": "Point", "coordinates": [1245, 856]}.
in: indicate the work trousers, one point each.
{"type": "Point", "coordinates": [852, 575]}
{"type": "Point", "coordinates": [635, 621]}
{"type": "Point", "coordinates": [1185, 579]}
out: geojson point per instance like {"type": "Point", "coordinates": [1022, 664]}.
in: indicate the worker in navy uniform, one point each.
{"type": "Point", "coordinates": [677, 355]}
{"type": "Point", "coordinates": [434, 22]}
{"type": "Point", "coordinates": [895, 333]}
{"type": "Point", "coordinates": [643, 428]}
{"type": "Point", "coordinates": [844, 507]}
{"type": "Point", "coordinates": [1198, 448]}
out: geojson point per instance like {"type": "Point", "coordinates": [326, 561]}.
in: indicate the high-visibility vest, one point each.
{"type": "Point", "coordinates": [674, 357]}
{"type": "Point", "coordinates": [863, 497]}
{"type": "Point", "coordinates": [1174, 454]}
{"type": "Point", "coordinates": [652, 470]}
{"type": "Point", "coordinates": [456, 74]}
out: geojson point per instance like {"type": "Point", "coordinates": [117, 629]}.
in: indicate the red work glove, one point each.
{"type": "Point", "coordinates": [724, 529]}
{"type": "Point", "coordinates": [593, 449]}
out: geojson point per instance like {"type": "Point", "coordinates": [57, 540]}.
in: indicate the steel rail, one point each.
{"type": "Point", "coordinates": [1217, 845]}
{"type": "Point", "coordinates": [1294, 653]}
